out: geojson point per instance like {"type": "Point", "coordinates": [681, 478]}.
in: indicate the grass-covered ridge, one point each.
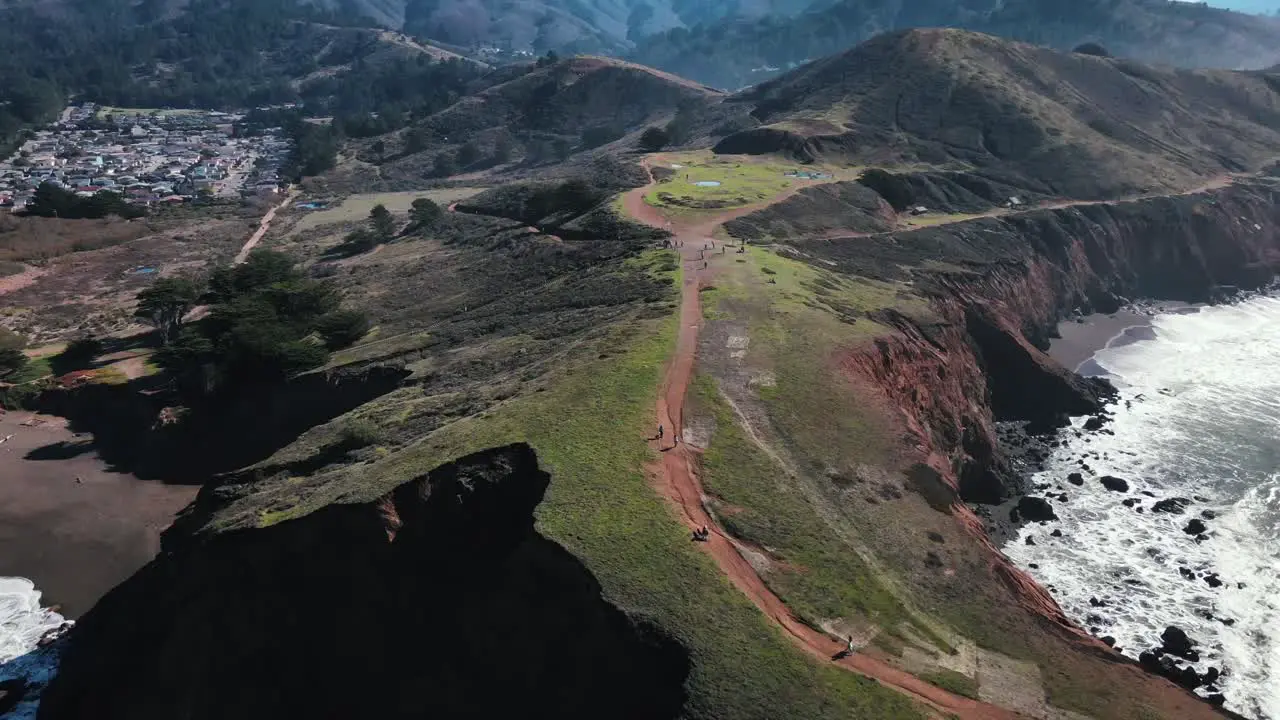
{"type": "Point", "coordinates": [785, 422]}
{"type": "Point", "coordinates": [589, 427]}
{"type": "Point", "coordinates": [743, 180]}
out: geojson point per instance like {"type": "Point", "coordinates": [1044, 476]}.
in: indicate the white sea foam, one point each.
{"type": "Point", "coordinates": [22, 623]}
{"type": "Point", "coordinates": [1203, 421]}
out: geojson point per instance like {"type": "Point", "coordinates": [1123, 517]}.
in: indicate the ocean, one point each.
{"type": "Point", "coordinates": [1198, 418]}
{"type": "Point", "coordinates": [23, 621]}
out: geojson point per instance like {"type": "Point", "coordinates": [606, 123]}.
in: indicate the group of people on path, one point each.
{"type": "Point", "coordinates": [674, 436]}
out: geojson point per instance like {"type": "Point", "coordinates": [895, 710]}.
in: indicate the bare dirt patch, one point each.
{"type": "Point", "coordinates": [93, 291]}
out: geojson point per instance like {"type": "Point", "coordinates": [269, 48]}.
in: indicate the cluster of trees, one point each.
{"type": "Point", "coordinates": [315, 146]}
{"type": "Point", "coordinates": [266, 322]}
{"type": "Point", "coordinates": [383, 228]}
{"type": "Point", "coordinates": [375, 99]}
{"type": "Point", "coordinates": [52, 201]}
{"type": "Point", "coordinates": [212, 54]}
{"type": "Point", "coordinates": [215, 53]}
{"type": "Point", "coordinates": [25, 102]}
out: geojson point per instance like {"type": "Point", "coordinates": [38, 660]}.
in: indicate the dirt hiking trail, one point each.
{"type": "Point", "coordinates": [679, 481]}
{"type": "Point", "coordinates": [263, 227]}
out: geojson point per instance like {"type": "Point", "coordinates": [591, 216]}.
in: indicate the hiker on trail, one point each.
{"type": "Point", "coordinates": [659, 432]}
{"type": "Point", "coordinates": [848, 647]}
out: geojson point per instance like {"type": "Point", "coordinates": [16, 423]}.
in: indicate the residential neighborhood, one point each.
{"type": "Point", "coordinates": [148, 156]}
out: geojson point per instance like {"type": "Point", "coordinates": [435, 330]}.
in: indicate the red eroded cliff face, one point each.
{"type": "Point", "coordinates": [1006, 284]}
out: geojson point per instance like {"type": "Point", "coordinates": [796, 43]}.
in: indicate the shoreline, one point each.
{"type": "Point", "coordinates": [1082, 338]}
{"type": "Point", "coordinates": [68, 522]}
{"type": "Point", "coordinates": [1170, 564]}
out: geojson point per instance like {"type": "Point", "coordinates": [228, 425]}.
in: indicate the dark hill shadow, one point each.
{"type": "Point", "coordinates": [439, 600]}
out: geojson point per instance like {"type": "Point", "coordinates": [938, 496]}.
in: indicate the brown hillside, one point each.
{"type": "Point", "coordinates": [543, 112]}
{"type": "Point", "coordinates": [1068, 124]}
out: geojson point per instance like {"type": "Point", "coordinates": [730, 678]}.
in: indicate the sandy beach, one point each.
{"type": "Point", "coordinates": [1081, 339]}
{"type": "Point", "coordinates": [75, 540]}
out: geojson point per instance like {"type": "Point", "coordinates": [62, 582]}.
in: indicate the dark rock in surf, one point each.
{"type": "Point", "coordinates": [1035, 509]}
{"type": "Point", "coordinates": [1114, 484]}
{"type": "Point", "coordinates": [1095, 423]}
{"type": "Point", "coordinates": [1174, 641]}
{"type": "Point", "coordinates": [1173, 506]}
{"type": "Point", "coordinates": [1130, 502]}
{"type": "Point", "coordinates": [1213, 580]}
{"type": "Point", "coordinates": [1075, 478]}
{"type": "Point", "coordinates": [1216, 699]}
{"type": "Point", "coordinates": [1195, 527]}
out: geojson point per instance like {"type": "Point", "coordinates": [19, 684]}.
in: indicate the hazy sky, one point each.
{"type": "Point", "coordinates": [1258, 6]}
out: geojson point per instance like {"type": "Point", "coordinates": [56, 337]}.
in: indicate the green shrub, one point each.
{"type": "Point", "coordinates": [342, 328]}
{"type": "Point", "coordinates": [11, 361]}
{"type": "Point", "coordinates": [654, 139]}
{"type": "Point", "coordinates": [358, 433]}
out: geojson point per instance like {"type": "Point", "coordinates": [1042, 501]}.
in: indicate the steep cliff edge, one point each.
{"type": "Point", "coordinates": [851, 389]}
{"type": "Point", "coordinates": [437, 599]}
{"type": "Point", "coordinates": [1000, 285]}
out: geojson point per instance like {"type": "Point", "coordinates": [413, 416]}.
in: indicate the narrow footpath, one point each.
{"type": "Point", "coordinates": [263, 227]}
{"type": "Point", "coordinates": [680, 483]}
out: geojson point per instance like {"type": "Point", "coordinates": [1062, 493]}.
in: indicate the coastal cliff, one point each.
{"type": "Point", "coordinates": [347, 612]}
{"type": "Point", "coordinates": [1000, 285]}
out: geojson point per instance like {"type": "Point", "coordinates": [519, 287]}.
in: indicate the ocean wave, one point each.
{"type": "Point", "coordinates": [23, 622]}
{"type": "Point", "coordinates": [1199, 418]}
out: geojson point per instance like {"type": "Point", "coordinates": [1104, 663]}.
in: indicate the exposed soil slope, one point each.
{"type": "Point", "coordinates": [1062, 124]}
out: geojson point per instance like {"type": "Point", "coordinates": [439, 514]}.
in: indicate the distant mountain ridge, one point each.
{"type": "Point", "coordinates": [743, 52]}
{"type": "Point", "coordinates": [584, 26]}
{"type": "Point", "coordinates": [1062, 124]}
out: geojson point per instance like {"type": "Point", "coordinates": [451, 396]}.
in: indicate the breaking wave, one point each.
{"type": "Point", "coordinates": [23, 621]}
{"type": "Point", "coordinates": [1199, 418]}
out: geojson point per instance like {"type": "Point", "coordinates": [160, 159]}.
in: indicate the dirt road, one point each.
{"type": "Point", "coordinates": [263, 227]}
{"type": "Point", "coordinates": [679, 481]}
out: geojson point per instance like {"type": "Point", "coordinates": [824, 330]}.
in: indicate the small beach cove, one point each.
{"type": "Point", "coordinates": [71, 529]}
{"type": "Point", "coordinates": [67, 521]}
